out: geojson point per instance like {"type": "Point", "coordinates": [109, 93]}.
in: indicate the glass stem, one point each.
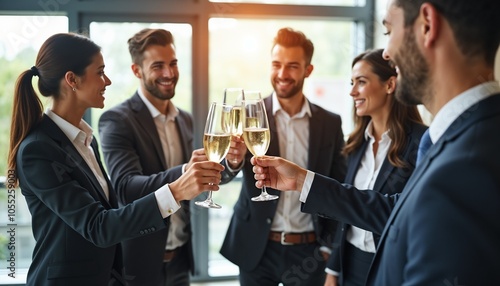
{"type": "Point", "coordinates": [263, 190]}
{"type": "Point", "coordinates": [209, 197]}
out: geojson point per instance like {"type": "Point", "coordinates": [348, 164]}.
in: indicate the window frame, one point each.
{"type": "Point", "coordinates": [197, 13]}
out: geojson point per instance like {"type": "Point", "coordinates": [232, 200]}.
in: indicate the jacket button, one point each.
{"type": "Point", "coordinates": [269, 221]}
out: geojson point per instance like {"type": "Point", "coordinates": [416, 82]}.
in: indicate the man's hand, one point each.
{"type": "Point", "coordinates": [198, 155]}
{"type": "Point", "coordinates": [236, 153]}
{"type": "Point", "coordinates": [330, 280]}
{"type": "Point", "coordinates": [278, 173]}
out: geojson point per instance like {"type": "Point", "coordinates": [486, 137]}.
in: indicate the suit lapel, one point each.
{"type": "Point", "coordinates": [144, 118]}
{"type": "Point", "coordinates": [354, 162]}
{"type": "Point", "coordinates": [181, 125]}
{"type": "Point", "coordinates": [113, 200]}
{"type": "Point", "coordinates": [74, 156]}
{"type": "Point", "coordinates": [316, 134]}
{"type": "Point", "coordinates": [477, 112]}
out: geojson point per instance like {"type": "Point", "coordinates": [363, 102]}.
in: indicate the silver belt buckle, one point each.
{"type": "Point", "coordinates": [283, 239]}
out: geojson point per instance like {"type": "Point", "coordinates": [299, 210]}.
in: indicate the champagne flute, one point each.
{"type": "Point", "coordinates": [257, 135]}
{"type": "Point", "coordinates": [234, 96]}
{"type": "Point", "coordinates": [216, 140]}
{"type": "Point", "coordinates": [251, 94]}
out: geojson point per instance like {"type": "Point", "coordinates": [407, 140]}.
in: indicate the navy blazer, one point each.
{"type": "Point", "coordinates": [443, 229]}
{"type": "Point", "coordinates": [248, 232]}
{"type": "Point", "coordinates": [77, 230]}
{"type": "Point", "coordinates": [390, 180]}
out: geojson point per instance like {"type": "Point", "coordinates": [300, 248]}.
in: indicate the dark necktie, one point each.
{"type": "Point", "coordinates": [423, 147]}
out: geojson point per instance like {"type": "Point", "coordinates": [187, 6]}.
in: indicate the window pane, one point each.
{"type": "Point", "coordinates": [240, 56]}
{"type": "Point", "coordinates": [21, 38]}
{"type": "Point", "coordinates": [112, 37]}
{"type": "Point", "coordinates": [297, 2]}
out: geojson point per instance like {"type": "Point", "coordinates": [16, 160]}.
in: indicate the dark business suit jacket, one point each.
{"type": "Point", "coordinates": [248, 232]}
{"type": "Point", "coordinates": [136, 163]}
{"type": "Point", "coordinates": [77, 230]}
{"type": "Point", "coordinates": [443, 229]}
{"type": "Point", "coordinates": [390, 180]}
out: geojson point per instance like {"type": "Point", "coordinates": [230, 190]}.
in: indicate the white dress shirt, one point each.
{"type": "Point", "coordinates": [452, 110]}
{"type": "Point", "coordinates": [171, 145]}
{"type": "Point", "coordinates": [293, 134]}
{"type": "Point", "coordinates": [365, 179]}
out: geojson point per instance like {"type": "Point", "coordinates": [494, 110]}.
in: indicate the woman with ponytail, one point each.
{"type": "Point", "coordinates": [76, 221]}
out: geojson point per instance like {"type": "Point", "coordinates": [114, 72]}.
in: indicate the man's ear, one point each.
{"type": "Point", "coordinates": [136, 69]}
{"type": "Point", "coordinates": [430, 23]}
{"type": "Point", "coordinates": [309, 70]}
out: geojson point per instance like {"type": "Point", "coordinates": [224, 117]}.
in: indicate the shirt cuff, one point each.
{"type": "Point", "coordinates": [166, 202]}
{"type": "Point", "coordinates": [325, 249]}
{"type": "Point", "coordinates": [306, 187]}
{"type": "Point", "coordinates": [332, 272]}
{"type": "Point", "coordinates": [183, 168]}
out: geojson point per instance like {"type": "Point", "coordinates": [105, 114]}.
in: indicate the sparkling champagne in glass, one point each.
{"type": "Point", "coordinates": [257, 135]}
{"type": "Point", "coordinates": [216, 140]}
{"type": "Point", "coordinates": [234, 96]}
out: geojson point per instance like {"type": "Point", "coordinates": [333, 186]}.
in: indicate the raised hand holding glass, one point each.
{"type": "Point", "coordinates": [216, 140]}
{"type": "Point", "coordinates": [256, 135]}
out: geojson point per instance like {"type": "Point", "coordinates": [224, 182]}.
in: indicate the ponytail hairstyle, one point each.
{"type": "Point", "coordinates": [59, 54]}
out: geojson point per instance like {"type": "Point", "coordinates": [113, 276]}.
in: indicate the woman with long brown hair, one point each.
{"type": "Point", "coordinates": [381, 155]}
{"type": "Point", "coordinates": [76, 221]}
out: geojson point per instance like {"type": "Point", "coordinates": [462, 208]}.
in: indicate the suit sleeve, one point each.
{"type": "Point", "coordinates": [46, 173]}
{"type": "Point", "coordinates": [119, 142]}
{"type": "Point", "coordinates": [366, 209]}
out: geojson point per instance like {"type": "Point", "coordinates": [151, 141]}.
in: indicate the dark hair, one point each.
{"type": "Point", "coordinates": [145, 38]}
{"type": "Point", "coordinates": [399, 117]}
{"type": "Point", "coordinates": [59, 54]}
{"type": "Point", "coordinates": [475, 24]}
{"type": "Point", "coordinates": [287, 37]}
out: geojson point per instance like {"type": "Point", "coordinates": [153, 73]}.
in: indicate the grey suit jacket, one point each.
{"type": "Point", "coordinates": [134, 156]}
{"type": "Point", "coordinates": [248, 232]}
{"type": "Point", "coordinates": [77, 230]}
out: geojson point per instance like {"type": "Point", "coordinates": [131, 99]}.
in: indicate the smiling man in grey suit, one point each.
{"type": "Point", "coordinates": [273, 241]}
{"type": "Point", "coordinates": [443, 228]}
{"type": "Point", "coordinates": [147, 142]}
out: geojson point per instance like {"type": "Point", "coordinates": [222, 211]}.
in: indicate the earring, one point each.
{"type": "Point", "coordinates": [74, 89]}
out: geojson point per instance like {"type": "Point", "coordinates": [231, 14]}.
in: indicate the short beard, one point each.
{"type": "Point", "coordinates": [296, 89]}
{"type": "Point", "coordinates": [154, 91]}
{"type": "Point", "coordinates": [413, 82]}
